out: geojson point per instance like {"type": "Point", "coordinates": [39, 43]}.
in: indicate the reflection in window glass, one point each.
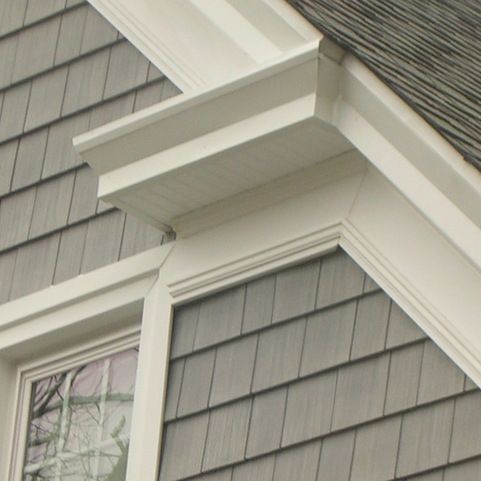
{"type": "Point", "coordinates": [80, 422]}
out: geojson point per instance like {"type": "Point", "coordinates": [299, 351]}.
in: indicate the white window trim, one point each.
{"type": "Point", "coordinates": [76, 321]}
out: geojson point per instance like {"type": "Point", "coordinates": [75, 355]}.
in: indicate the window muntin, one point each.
{"type": "Point", "coordinates": [80, 422]}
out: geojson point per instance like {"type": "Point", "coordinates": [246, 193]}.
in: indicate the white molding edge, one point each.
{"type": "Point", "coordinates": [415, 158]}
{"type": "Point", "coordinates": [151, 385]}
{"type": "Point", "coordinates": [115, 291]}
{"type": "Point", "coordinates": [197, 43]}
{"type": "Point", "coordinates": [167, 162]}
{"type": "Point", "coordinates": [361, 211]}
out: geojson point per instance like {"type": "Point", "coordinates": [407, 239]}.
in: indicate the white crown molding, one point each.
{"type": "Point", "coordinates": [415, 158]}
{"type": "Point", "coordinates": [198, 43]}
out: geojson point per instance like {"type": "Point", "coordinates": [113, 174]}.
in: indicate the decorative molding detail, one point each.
{"type": "Point", "coordinates": [416, 159]}
{"type": "Point", "coordinates": [284, 233]}
{"type": "Point", "coordinates": [198, 44]}
{"type": "Point", "coordinates": [169, 161]}
{"type": "Point", "coordinates": [361, 211]}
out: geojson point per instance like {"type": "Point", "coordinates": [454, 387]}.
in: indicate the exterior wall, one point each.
{"type": "Point", "coordinates": [65, 70]}
{"type": "Point", "coordinates": [314, 374]}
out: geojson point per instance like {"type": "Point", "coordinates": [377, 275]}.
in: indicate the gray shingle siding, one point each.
{"type": "Point", "coordinates": [65, 70]}
{"type": "Point", "coordinates": [350, 390]}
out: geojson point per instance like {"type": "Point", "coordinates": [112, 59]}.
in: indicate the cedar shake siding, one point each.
{"type": "Point", "coordinates": [314, 374]}
{"type": "Point", "coordinates": [65, 70]}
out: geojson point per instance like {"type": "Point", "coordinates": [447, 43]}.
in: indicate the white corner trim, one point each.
{"type": "Point", "coordinates": [151, 385]}
{"type": "Point", "coordinates": [140, 27]}
{"type": "Point", "coordinates": [190, 102]}
{"type": "Point", "coordinates": [422, 271]}
{"type": "Point", "coordinates": [165, 163]}
{"type": "Point", "coordinates": [296, 228]}
{"type": "Point", "coordinates": [382, 230]}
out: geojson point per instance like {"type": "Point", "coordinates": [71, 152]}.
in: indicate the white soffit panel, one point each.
{"type": "Point", "coordinates": [198, 149]}
{"type": "Point", "coordinates": [197, 43]}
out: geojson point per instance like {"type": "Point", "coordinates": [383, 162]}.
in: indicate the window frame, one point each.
{"type": "Point", "coordinates": [31, 371]}
{"type": "Point", "coordinates": [80, 320]}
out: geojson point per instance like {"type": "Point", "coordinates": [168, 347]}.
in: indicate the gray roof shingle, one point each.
{"type": "Point", "coordinates": [427, 51]}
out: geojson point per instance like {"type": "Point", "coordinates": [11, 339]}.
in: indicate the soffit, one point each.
{"type": "Point", "coordinates": [166, 162]}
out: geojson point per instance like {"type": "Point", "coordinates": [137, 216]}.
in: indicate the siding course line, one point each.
{"type": "Point", "coordinates": [336, 369]}
{"type": "Point", "coordinates": [43, 19]}
{"type": "Point", "coordinates": [56, 122]}
{"type": "Point", "coordinates": [53, 232]}
{"type": "Point", "coordinates": [338, 402]}
{"type": "Point", "coordinates": [437, 469]}
{"type": "Point", "coordinates": [284, 321]}
{"type": "Point", "coordinates": [79, 111]}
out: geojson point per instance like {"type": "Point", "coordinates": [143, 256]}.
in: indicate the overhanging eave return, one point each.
{"type": "Point", "coordinates": [200, 149]}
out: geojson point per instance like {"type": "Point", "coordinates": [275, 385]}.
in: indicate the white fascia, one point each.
{"type": "Point", "coordinates": [199, 43]}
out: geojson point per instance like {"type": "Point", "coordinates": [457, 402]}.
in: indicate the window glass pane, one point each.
{"type": "Point", "coordinates": [80, 422]}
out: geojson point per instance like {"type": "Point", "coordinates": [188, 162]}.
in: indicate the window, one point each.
{"type": "Point", "coordinates": [79, 421]}
{"type": "Point", "coordinates": [69, 359]}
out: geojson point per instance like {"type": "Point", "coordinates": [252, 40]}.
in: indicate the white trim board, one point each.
{"type": "Point", "coordinates": [200, 43]}
{"type": "Point", "coordinates": [93, 301]}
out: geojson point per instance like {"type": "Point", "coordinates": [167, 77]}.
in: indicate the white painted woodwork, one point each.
{"type": "Point", "coordinates": [151, 385]}
{"type": "Point", "coordinates": [7, 403]}
{"type": "Point", "coordinates": [197, 43]}
{"type": "Point", "coordinates": [358, 209]}
{"type": "Point", "coordinates": [197, 150]}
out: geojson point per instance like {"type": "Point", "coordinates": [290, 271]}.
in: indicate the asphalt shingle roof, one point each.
{"type": "Point", "coordinates": [427, 51]}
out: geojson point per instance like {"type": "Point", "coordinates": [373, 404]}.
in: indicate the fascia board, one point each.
{"type": "Point", "coordinates": [412, 156]}
{"type": "Point", "coordinates": [415, 264]}
{"type": "Point", "coordinates": [411, 135]}
{"type": "Point", "coordinates": [189, 104]}
{"type": "Point", "coordinates": [197, 44]}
